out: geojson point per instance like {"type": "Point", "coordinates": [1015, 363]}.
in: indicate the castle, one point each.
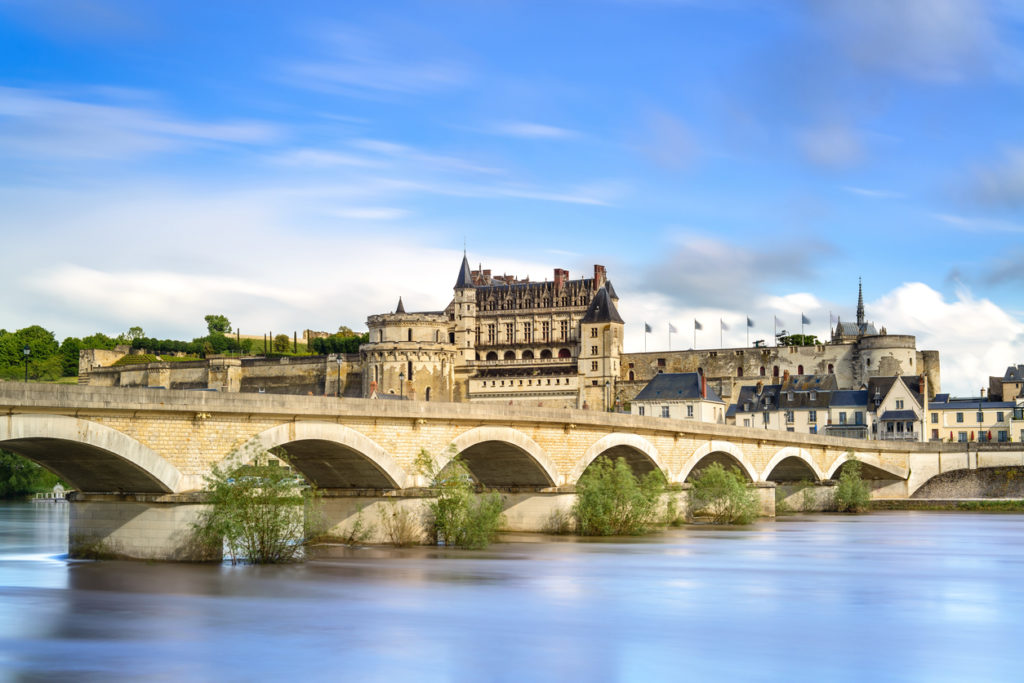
{"type": "Point", "coordinates": [556, 343]}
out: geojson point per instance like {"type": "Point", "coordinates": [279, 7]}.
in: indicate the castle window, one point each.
{"type": "Point", "coordinates": [564, 329]}
{"type": "Point", "coordinates": [664, 411]}
{"type": "Point", "coordinates": [437, 336]}
{"type": "Point", "coordinates": [564, 353]}
{"type": "Point", "coordinates": [491, 333]}
{"type": "Point", "coordinates": [409, 374]}
{"type": "Point", "coordinates": [631, 376]}
{"type": "Point", "coordinates": [545, 331]}
{"type": "Point", "coordinates": [380, 335]}
{"type": "Point", "coordinates": [410, 334]}
{"type": "Point", "coordinates": [661, 362]}
{"type": "Point", "coordinates": [775, 371]}
{"type": "Point", "coordinates": [593, 366]}
{"type": "Point", "coordinates": [831, 369]}
{"type": "Point", "coordinates": [630, 365]}
{"type": "Point", "coordinates": [762, 371]}
{"type": "Point", "coordinates": [640, 410]}
{"type": "Point", "coordinates": [510, 332]}
{"type": "Point", "coordinates": [739, 372]}
{"type": "Point", "coordinates": [593, 350]}
{"type": "Point", "coordinates": [689, 411]}
{"type": "Point", "coordinates": [510, 355]}
{"type": "Point", "coordinates": [799, 369]}
{"type": "Point", "coordinates": [593, 331]}
{"type": "Point", "coordinates": [527, 332]}
{"type": "Point", "coordinates": [427, 395]}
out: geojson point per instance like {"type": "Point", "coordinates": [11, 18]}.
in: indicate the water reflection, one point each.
{"type": "Point", "coordinates": [893, 596]}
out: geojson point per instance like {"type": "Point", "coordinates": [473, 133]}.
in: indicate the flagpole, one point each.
{"type": "Point", "coordinates": [694, 334]}
{"type": "Point", "coordinates": [802, 323]}
{"type": "Point", "coordinates": [775, 328]}
{"type": "Point", "coordinates": [721, 344]}
{"type": "Point", "coordinates": [670, 336]}
{"type": "Point", "coordinates": [748, 330]}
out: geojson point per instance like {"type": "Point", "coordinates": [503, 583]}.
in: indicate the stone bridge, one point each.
{"type": "Point", "coordinates": [149, 449]}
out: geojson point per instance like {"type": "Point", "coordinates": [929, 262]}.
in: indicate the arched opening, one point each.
{"type": "Point", "coordinates": [761, 372]}
{"type": "Point", "coordinates": [867, 472]}
{"type": "Point", "coordinates": [410, 334]}
{"type": "Point", "coordinates": [632, 376]}
{"type": "Point", "coordinates": [724, 459]}
{"type": "Point", "coordinates": [637, 460]}
{"type": "Point", "coordinates": [792, 468]}
{"type": "Point", "coordinates": [799, 369]}
{"type": "Point", "coordinates": [527, 355]}
{"type": "Point", "coordinates": [564, 353]}
{"type": "Point", "coordinates": [492, 355]}
{"type": "Point", "coordinates": [831, 369]}
{"type": "Point", "coordinates": [500, 464]}
{"type": "Point", "coordinates": [426, 394]}
{"type": "Point", "coordinates": [510, 355]}
{"type": "Point", "coordinates": [739, 372]}
{"type": "Point", "coordinates": [775, 371]}
{"type": "Point", "coordinates": [546, 353]}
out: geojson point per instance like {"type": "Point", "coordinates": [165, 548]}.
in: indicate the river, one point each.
{"type": "Point", "coordinates": [898, 596]}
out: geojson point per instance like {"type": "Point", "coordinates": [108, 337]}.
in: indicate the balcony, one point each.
{"type": "Point", "coordinates": [899, 436]}
{"type": "Point", "coordinates": [847, 431]}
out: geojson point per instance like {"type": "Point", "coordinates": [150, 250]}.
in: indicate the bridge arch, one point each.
{"type": "Point", "coordinates": [90, 456]}
{"type": "Point", "coordinates": [502, 456]}
{"type": "Point", "coordinates": [641, 455]}
{"type": "Point", "coordinates": [872, 462]}
{"type": "Point", "coordinates": [795, 455]}
{"type": "Point", "coordinates": [715, 450]}
{"type": "Point", "coordinates": [330, 455]}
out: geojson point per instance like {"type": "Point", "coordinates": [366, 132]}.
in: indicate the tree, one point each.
{"type": "Point", "coordinates": [345, 331]}
{"type": "Point", "coordinates": [98, 341]}
{"type": "Point", "coordinates": [21, 477]}
{"type": "Point", "coordinates": [458, 516]}
{"type": "Point", "coordinates": [612, 501]}
{"type": "Point", "coordinates": [69, 350]}
{"type": "Point", "coordinates": [257, 512]}
{"type": "Point", "coordinates": [852, 493]}
{"type": "Point", "coordinates": [281, 343]}
{"type": "Point", "coordinates": [722, 496]}
{"type": "Point", "coordinates": [218, 324]}
{"type": "Point", "coordinates": [797, 340]}
{"type": "Point", "coordinates": [131, 335]}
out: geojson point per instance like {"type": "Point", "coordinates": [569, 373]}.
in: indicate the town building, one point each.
{"type": "Point", "coordinates": [679, 396]}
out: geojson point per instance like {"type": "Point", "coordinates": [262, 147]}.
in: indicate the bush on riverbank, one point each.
{"type": "Point", "coordinates": [459, 516]}
{"type": "Point", "coordinates": [258, 513]}
{"type": "Point", "coordinates": [722, 496]}
{"type": "Point", "coordinates": [852, 494]}
{"type": "Point", "coordinates": [612, 501]}
{"type": "Point", "coordinates": [20, 477]}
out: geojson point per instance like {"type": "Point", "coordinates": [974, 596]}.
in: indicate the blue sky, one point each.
{"type": "Point", "coordinates": [302, 165]}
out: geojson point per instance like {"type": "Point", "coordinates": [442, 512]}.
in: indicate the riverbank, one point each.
{"type": "Point", "coordinates": [1007, 505]}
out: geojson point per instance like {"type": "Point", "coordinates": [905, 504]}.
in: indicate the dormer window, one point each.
{"type": "Point", "coordinates": [814, 395]}
{"type": "Point", "coordinates": [789, 395]}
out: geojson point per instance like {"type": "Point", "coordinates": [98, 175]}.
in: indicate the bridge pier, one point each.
{"type": "Point", "coordinates": [136, 526]}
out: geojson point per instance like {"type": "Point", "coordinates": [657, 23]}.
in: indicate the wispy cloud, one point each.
{"type": "Point", "coordinates": [35, 124]}
{"type": "Point", "coordinates": [531, 131]}
{"type": "Point", "coordinates": [412, 155]}
{"type": "Point", "coordinates": [874, 194]}
{"type": "Point", "coordinates": [1000, 184]}
{"type": "Point", "coordinates": [831, 145]}
{"type": "Point", "coordinates": [979, 225]}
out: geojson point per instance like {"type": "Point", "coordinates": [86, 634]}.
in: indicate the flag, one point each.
{"type": "Point", "coordinates": [750, 323]}
{"type": "Point", "coordinates": [672, 329]}
{"type": "Point", "coordinates": [804, 320]}
{"type": "Point", "coordinates": [697, 325]}
{"type": "Point", "coordinates": [647, 328]}
{"type": "Point", "coordinates": [724, 326]}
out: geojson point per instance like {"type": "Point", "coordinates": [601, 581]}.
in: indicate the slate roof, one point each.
{"type": "Point", "coordinates": [968, 404]}
{"type": "Point", "coordinates": [898, 415]}
{"type": "Point", "coordinates": [750, 401]}
{"type": "Point", "coordinates": [401, 306]}
{"type": "Point", "coordinates": [611, 290]}
{"type": "Point", "coordinates": [675, 386]}
{"type": "Point", "coordinates": [846, 397]}
{"type": "Point", "coordinates": [882, 386]}
{"type": "Point", "coordinates": [602, 309]}
{"type": "Point", "coordinates": [1014, 374]}
{"type": "Point", "coordinates": [854, 330]}
{"type": "Point", "coordinates": [465, 277]}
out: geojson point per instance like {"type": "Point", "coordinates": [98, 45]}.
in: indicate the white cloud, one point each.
{"type": "Point", "coordinates": [371, 213]}
{"type": "Point", "coordinates": [873, 194]}
{"type": "Point", "coordinates": [1001, 184]}
{"type": "Point", "coordinates": [35, 124]}
{"type": "Point", "coordinates": [534, 131]}
{"type": "Point", "coordinates": [975, 224]}
{"type": "Point", "coordinates": [975, 337]}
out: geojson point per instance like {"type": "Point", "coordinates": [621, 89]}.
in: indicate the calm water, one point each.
{"type": "Point", "coordinates": [890, 596]}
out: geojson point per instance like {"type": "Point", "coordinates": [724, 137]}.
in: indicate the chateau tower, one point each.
{"type": "Point", "coordinates": [600, 335]}
{"type": "Point", "coordinates": [464, 313]}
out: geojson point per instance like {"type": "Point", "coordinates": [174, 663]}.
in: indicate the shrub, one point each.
{"type": "Point", "coordinates": [458, 516]}
{"type": "Point", "coordinates": [257, 513]}
{"type": "Point", "coordinates": [722, 496]}
{"type": "Point", "coordinates": [612, 501]}
{"type": "Point", "coordinates": [399, 524]}
{"type": "Point", "coordinates": [852, 493]}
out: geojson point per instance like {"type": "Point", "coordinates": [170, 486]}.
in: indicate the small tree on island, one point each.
{"type": "Point", "coordinates": [852, 493]}
{"type": "Point", "coordinates": [458, 515]}
{"type": "Point", "coordinates": [258, 513]}
{"type": "Point", "coordinates": [722, 496]}
{"type": "Point", "coordinates": [612, 501]}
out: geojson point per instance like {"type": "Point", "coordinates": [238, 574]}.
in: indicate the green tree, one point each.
{"type": "Point", "coordinates": [722, 495]}
{"type": "Point", "coordinates": [133, 333]}
{"type": "Point", "coordinates": [98, 341]}
{"type": "Point", "coordinates": [257, 513]}
{"type": "Point", "coordinates": [281, 343]}
{"type": "Point", "coordinates": [69, 350]}
{"type": "Point", "coordinates": [612, 501]}
{"type": "Point", "coordinates": [218, 324]}
{"type": "Point", "coordinates": [852, 492]}
{"type": "Point", "coordinates": [21, 477]}
{"type": "Point", "coordinates": [457, 515]}
{"type": "Point", "coordinates": [797, 340]}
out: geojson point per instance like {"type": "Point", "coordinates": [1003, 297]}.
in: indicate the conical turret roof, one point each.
{"type": "Point", "coordinates": [465, 277]}
{"type": "Point", "coordinates": [401, 306]}
{"type": "Point", "coordinates": [602, 309]}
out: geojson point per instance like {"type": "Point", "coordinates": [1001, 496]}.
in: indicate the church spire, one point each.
{"type": "Point", "coordinates": [401, 306]}
{"type": "Point", "coordinates": [860, 303]}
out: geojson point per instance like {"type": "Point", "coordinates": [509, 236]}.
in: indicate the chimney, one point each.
{"type": "Point", "coordinates": [561, 276]}
{"type": "Point", "coordinates": [703, 386]}
{"type": "Point", "coordinates": [983, 393]}
{"type": "Point", "coordinates": [373, 387]}
{"type": "Point", "coordinates": [600, 275]}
